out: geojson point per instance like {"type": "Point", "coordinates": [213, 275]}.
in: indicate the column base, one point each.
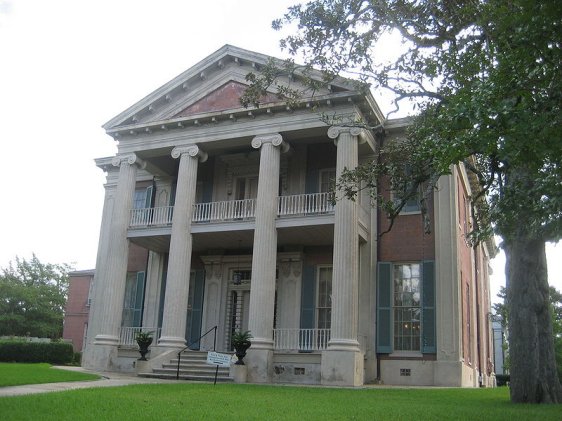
{"type": "Point", "coordinates": [259, 362]}
{"type": "Point", "coordinates": [349, 345]}
{"type": "Point", "coordinates": [342, 368]}
{"type": "Point", "coordinates": [106, 340]}
{"type": "Point", "coordinates": [262, 343]}
{"type": "Point", "coordinates": [100, 357]}
{"type": "Point", "coordinates": [171, 342]}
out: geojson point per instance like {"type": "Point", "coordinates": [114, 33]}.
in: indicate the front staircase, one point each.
{"type": "Point", "coordinates": [193, 367]}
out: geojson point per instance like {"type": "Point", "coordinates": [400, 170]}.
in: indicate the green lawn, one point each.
{"type": "Point", "coordinates": [250, 402]}
{"type": "Point", "coordinates": [13, 374]}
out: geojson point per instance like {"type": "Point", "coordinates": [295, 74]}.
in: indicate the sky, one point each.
{"type": "Point", "coordinates": [66, 68]}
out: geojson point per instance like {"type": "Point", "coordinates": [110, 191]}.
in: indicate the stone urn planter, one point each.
{"type": "Point", "coordinates": [241, 342]}
{"type": "Point", "coordinates": [144, 339]}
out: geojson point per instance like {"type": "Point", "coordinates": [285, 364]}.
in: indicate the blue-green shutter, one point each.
{"type": "Point", "coordinates": [149, 198]}
{"type": "Point", "coordinates": [162, 291]}
{"type": "Point", "coordinates": [194, 326]}
{"type": "Point", "coordinates": [384, 308]}
{"type": "Point", "coordinates": [139, 299]}
{"type": "Point", "coordinates": [311, 180]}
{"type": "Point", "coordinates": [207, 193]}
{"type": "Point", "coordinates": [308, 298]}
{"type": "Point", "coordinates": [428, 343]}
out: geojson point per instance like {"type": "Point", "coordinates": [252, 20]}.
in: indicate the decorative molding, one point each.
{"type": "Point", "coordinates": [192, 150]}
{"type": "Point", "coordinates": [335, 131]}
{"type": "Point", "coordinates": [131, 159]}
{"type": "Point", "coordinates": [274, 138]}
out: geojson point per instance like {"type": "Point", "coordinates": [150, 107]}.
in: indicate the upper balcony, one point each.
{"type": "Point", "coordinates": [235, 210]}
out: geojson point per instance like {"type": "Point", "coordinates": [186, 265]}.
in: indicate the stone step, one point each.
{"type": "Point", "coordinates": [206, 368]}
{"type": "Point", "coordinates": [189, 377]}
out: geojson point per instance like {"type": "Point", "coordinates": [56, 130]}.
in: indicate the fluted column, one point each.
{"type": "Point", "coordinates": [114, 272]}
{"type": "Point", "coordinates": [346, 249]}
{"type": "Point", "coordinates": [179, 263]}
{"type": "Point", "coordinates": [262, 293]}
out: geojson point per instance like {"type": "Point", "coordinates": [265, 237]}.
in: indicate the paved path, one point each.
{"type": "Point", "coordinates": [108, 379]}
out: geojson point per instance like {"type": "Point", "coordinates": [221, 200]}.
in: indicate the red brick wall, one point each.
{"type": "Point", "coordinates": [77, 310]}
{"type": "Point", "coordinates": [406, 241]}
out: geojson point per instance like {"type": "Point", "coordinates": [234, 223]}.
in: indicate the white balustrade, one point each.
{"type": "Point", "coordinates": [301, 339]}
{"type": "Point", "coordinates": [305, 204]}
{"type": "Point", "coordinates": [224, 211]}
{"type": "Point", "coordinates": [148, 217]}
{"type": "Point", "coordinates": [128, 334]}
{"type": "Point", "coordinates": [232, 210]}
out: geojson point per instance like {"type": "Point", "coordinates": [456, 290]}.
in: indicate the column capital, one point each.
{"type": "Point", "coordinates": [192, 150]}
{"type": "Point", "coordinates": [274, 138]}
{"type": "Point", "coordinates": [335, 131]}
{"type": "Point", "coordinates": [131, 159]}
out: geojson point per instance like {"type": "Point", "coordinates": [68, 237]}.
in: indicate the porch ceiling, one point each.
{"type": "Point", "coordinates": [311, 235]}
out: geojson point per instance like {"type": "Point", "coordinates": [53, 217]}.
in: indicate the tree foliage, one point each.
{"type": "Point", "coordinates": [32, 298]}
{"type": "Point", "coordinates": [485, 77]}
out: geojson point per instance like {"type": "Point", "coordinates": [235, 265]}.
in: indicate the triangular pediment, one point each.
{"type": "Point", "coordinates": [214, 85]}
{"type": "Point", "coordinates": [226, 97]}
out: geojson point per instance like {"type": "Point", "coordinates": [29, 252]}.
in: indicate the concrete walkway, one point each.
{"type": "Point", "coordinates": [108, 379]}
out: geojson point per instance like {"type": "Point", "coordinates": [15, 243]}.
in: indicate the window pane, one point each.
{"type": "Point", "coordinates": [407, 311]}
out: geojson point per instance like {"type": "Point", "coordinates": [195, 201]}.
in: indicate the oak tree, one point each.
{"type": "Point", "coordinates": [485, 77]}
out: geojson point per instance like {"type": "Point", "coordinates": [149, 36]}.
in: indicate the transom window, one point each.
{"type": "Point", "coordinates": [407, 306]}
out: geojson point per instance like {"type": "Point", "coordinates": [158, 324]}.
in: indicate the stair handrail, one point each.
{"type": "Point", "coordinates": [214, 328]}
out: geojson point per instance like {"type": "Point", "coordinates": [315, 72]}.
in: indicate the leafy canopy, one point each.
{"type": "Point", "coordinates": [32, 298]}
{"type": "Point", "coordinates": [486, 78]}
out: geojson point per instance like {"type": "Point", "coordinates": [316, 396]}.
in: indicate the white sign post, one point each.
{"type": "Point", "coordinates": [215, 358]}
{"type": "Point", "coordinates": [218, 359]}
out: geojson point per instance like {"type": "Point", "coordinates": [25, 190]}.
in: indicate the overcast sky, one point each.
{"type": "Point", "coordinates": [66, 68]}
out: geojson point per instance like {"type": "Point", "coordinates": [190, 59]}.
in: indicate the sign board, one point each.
{"type": "Point", "coordinates": [215, 358]}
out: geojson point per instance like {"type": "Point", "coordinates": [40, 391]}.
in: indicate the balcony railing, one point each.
{"type": "Point", "coordinates": [235, 210]}
{"type": "Point", "coordinates": [127, 335]}
{"type": "Point", "coordinates": [301, 339]}
{"type": "Point", "coordinates": [150, 217]}
{"type": "Point", "coordinates": [305, 204]}
{"type": "Point", "coordinates": [230, 210]}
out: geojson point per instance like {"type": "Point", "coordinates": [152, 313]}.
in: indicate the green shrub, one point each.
{"type": "Point", "coordinates": [502, 379]}
{"type": "Point", "coordinates": [77, 358]}
{"type": "Point", "coordinates": [36, 352]}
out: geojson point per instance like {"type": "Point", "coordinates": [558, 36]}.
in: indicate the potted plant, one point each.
{"type": "Point", "coordinates": [241, 342]}
{"type": "Point", "coordinates": [144, 339]}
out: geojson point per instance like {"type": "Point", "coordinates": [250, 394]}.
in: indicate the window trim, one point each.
{"type": "Point", "coordinates": [407, 353]}
{"type": "Point", "coordinates": [317, 295]}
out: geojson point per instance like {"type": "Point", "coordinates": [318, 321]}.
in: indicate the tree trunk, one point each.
{"type": "Point", "coordinates": [531, 347]}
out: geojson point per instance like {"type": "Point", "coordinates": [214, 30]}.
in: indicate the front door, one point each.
{"type": "Point", "coordinates": [238, 303]}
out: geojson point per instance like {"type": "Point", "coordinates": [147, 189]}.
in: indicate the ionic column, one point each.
{"type": "Point", "coordinates": [114, 271]}
{"type": "Point", "coordinates": [262, 293]}
{"type": "Point", "coordinates": [346, 249]}
{"type": "Point", "coordinates": [179, 263]}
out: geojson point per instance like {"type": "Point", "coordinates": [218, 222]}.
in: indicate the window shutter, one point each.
{"type": "Point", "coordinates": [308, 288]}
{"type": "Point", "coordinates": [384, 308]}
{"type": "Point", "coordinates": [149, 198]}
{"type": "Point", "coordinates": [311, 180]}
{"type": "Point", "coordinates": [139, 300]}
{"type": "Point", "coordinates": [428, 344]}
{"type": "Point", "coordinates": [196, 307]}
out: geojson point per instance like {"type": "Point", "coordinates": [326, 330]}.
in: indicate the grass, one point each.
{"type": "Point", "coordinates": [14, 374]}
{"type": "Point", "coordinates": [251, 402]}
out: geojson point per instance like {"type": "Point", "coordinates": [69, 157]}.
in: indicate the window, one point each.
{"type": "Point", "coordinates": [412, 205]}
{"type": "Point", "coordinates": [327, 180]}
{"type": "Point", "coordinates": [324, 299]}
{"type": "Point", "coordinates": [133, 300]}
{"type": "Point", "coordinates": [407, 306]}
